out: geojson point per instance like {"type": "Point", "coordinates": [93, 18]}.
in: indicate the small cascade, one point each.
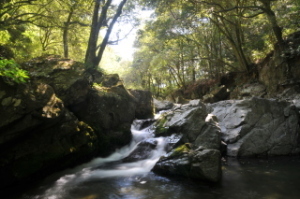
{"type": "Point", "coordinates": [111, 166]}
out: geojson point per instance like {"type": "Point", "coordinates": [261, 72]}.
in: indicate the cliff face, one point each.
{"type": "Point", "coordinates": [59, 119]}
{"type": "Point", "coordinates": [280, 69]}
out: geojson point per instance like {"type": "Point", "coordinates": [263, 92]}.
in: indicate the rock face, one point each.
{"type": "Point", "coordinates": [281, 67]}
{"type": "Point", "coordinates": [110, 112]}
{"type": "Point", "coordinates": [247, 91]}
{"type": "Point", "coordinates": [38, 134]}
{"type": "Point", "coordinates": [258, 127]}
{"type": "Point", "coordinates": [197, 152]}
{"type": "Point", "coordinates": [193, 122]}
{"type": "Point", "coordinates": [60, 118]}
{"type": "Point", "coordinates": [144, 103]}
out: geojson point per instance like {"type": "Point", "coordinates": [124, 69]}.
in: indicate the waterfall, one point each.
{"type": "Point", "coordinates": [111, 166]}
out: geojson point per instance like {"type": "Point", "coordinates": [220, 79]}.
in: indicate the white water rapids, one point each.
{"type": "Point", "coordinates": [94, 170]}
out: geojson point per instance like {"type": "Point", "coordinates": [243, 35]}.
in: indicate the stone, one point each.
{"type": "Point", "coordinates": [247, 91]}
{"type": "Point", "coordinates": [65, 76]}
{"type": "Point", "coordinates": [196, 137]}
{"type": "Point", "coordinates": [258, 127]}
{"type": "Point", "coordinates": [110, 80]}
{"type": "Point", "coordinates": [142, 151]}
{"type": "Point", "coordinates": [59, 119]}
{"type": "Point", "coordinates": [110, 112]}
{"type": "Point", "coordinates": [162, 105]}
{"type": "Point", "coordinates": [217, 94]}
{"type": "Point", "coordinates": [193, 122]}
{"type": "Point", "coordinates": [144, 104]}
{"type": "Point", "coordinates": [201, 164]}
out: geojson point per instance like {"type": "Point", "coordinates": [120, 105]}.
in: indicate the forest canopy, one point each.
{"type": "Point", "coordinates": [183, 41]}
{"type": "Point", "coordinates": [191, 39]}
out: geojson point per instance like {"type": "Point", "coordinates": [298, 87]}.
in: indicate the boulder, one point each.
{"type": "Point", "coordinates": [201, 164]}
{"type": "Point", "coordinates": [109, 80]}
{"type": "Point", "coordinates": [258, 127]}
{"type": "Point", "coordinates": [162, 105]}
{"type": "Point", "coordinates": [291, 94]}
{"type": "Point", "coordinates": [192, 121]}
{"type": "Point", "coordinates": [57, 119]}
{"type": "Point", "coordinates": [144, 104]}
{"type": "Point", "coordinates": [141, 124]}
{"type": "Point", "coordinates": [110, 112]}
{"type": "Point", "coordinates": [67, 77]}
{"type": "Point", "coordinates": [143, 150]}
{"type": "Point", "coordinates": [197, 143]}
{"type": "Point", "coordinates": [217, 94]}
{"type": "Point", "coordinates": [249, 90]}
{"type": "Point", "coordinates": [38, 135]}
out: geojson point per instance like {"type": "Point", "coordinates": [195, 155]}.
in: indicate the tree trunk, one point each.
{"type": "Point", "coordinates": [108, 32]}
{"type": "Point", "coordinates": [94, 53]}
{"type": "Point", "coordinates": [272, 19]}
{"type": "Point", "coordinates": [95, 29]}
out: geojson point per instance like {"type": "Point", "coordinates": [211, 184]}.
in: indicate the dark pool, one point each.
{"type": "Point", "coordinates": [272, 178]}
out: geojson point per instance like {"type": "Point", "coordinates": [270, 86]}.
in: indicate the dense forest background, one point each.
{"type": "Point", "coordinates": [184, 41]}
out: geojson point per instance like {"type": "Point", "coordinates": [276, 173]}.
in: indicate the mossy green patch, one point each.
{"type": "Point", "coordinates": [161, 129]}
{"type": "Point", "coordinates": [185, 148]}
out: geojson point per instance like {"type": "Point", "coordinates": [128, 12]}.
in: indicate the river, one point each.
{"type": "Point", "coordinates": [110, 178]}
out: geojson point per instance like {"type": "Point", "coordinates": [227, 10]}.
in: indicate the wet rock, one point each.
{"type": "Point", "coordinates": [142, 151]}
{"type": "Point", "coordinates": [258, 127]}
{"type": "Point", "coordinates": [38, 135]}
{"type": "Point", "coordinates": [110, 111]}
{"type": "Point", "coordinates": [162, 105]}
{"type": "Point", "coordinates": [196, 153]}
{"type": "Point", "coordinates": [193, 122]}
{"type": "Point", "coordinates": [141, 124]}
{"type": "Point", "coordinates": [203, 164]}
{"type": "Point", "coordinates": [144, 104]}
{"type": "Point", "coordinates": [58, 119]}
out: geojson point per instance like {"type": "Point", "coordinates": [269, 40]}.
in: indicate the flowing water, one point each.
{"type": "Point", "coordinates": [110, 178]}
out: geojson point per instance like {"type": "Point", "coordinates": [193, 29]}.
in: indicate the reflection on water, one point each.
{"type": "Point", "coordinates": [275, 178]}
{"type": "Point", "coordinates": [110, 178]}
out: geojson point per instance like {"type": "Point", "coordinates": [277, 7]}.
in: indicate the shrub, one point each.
{"type": "Point", "coordinates": [12, 71]}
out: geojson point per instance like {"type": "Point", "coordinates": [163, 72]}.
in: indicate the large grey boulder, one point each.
{"type": "Point", "coordinates": [257, 127]}
{"type": "Point", "coordinates": [162, 105]}
{"type": "Point", "coordinates": [196, 153]}
{"type": "Point", "coordinates": [203, 164]}
{"type": "Point", "coordinates": [193, 122]}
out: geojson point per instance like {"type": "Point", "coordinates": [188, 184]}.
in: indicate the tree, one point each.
{"type": "Point", "coordinates": [94, 52]}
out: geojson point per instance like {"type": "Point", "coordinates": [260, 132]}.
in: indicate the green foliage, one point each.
{"type": "Point", "coordinates": [180, 150]}
{"type": "Point", "coordinates": [11, 70]}
{"type": "Point", "coordinates": [190, 40]}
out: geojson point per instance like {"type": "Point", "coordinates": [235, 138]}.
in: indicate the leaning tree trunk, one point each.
{"type": "Point", "coordinates": [94, 53]}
